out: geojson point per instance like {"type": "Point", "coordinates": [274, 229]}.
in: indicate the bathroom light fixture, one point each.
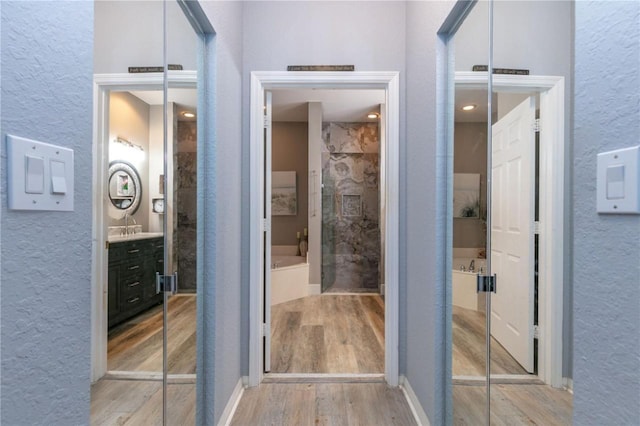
{"type": "Point", "coordinates": [188, 114]}
{"type": "Point", "coordinates": [122, 149]}
{"type": "Point", "coordinates": [372, 115]}
{"type": "Point", "coordinates": [469, 107]}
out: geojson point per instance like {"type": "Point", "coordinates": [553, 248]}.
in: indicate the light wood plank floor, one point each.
{"type": "Point", "coordinates": [323, 404]}
{"type": "Point", "coordinates": [130, 402]}
{"type": "Point", "coordinates": [328, 334]}
{"type": "Point", "coordinates": [512, 405]}
{"type": "Point", "coordinates": [136, 345]}
{"type": "Point", "coordinates": [469, 347]}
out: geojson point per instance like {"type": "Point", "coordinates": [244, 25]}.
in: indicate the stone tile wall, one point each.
{"type": "Point", "coordinates": [185, 196]}
{"type": "Point", "coordinates": [350, 207]}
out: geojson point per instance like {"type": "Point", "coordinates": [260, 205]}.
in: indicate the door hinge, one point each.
{"type": "Point", "coordinates": [265, 225]}
{"type": "Point", "coordinates": [267, 121]}
{"type": "Point", "coordinates": [486, 283]}
{"type": "Point", "coordinates": [536, 125]}
{"type": "Point", "coordinates": [167, 283]}
{"type": "Point", "coordinates": [536, 228]}
{"type": "Point", "coordinates": [265, 329]}
{"type": "Point", "coordinates": [536, 331]}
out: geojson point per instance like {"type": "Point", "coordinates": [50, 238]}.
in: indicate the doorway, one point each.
{"type": "Point", "coordinates": [260, 259]}
{"type": "Point", "coordinates": [326, 310]}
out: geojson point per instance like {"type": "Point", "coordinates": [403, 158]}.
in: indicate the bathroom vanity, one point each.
{"type": "Point", "coordinates": [133, 263]}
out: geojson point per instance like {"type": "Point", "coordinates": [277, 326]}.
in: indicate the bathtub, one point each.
{"type": "Point", "coordinates": [464, 284]}
{"type": "Point", "coordinates": [289, 278]}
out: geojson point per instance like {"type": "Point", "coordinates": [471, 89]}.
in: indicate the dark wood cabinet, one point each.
{"type": "Point", "coordinates": [132, 277]}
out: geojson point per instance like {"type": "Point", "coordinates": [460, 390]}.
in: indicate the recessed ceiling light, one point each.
{"type": "Point", "coordinates": [468, 107]}
{"type": "Point", "coordinates": [372, 115]}
{"type": "Point", "coordinates": [188, 114]}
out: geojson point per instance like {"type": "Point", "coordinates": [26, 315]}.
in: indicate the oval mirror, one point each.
{"type": "Point", "coordinates": [125, 189]}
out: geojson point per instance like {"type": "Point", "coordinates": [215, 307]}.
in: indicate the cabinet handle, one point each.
{"type": "Point", "coordinates": [133, 251]}
{"type": "Point", "coordinates": [134, 284]}
{"type": "Point", "coordinates": [134, 300]}
{"type": "Point", "coordinates": [160, 261]}
{"type": "Point", "coordinates": [134, 267]}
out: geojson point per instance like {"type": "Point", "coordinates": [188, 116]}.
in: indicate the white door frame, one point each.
{"type": "Point", "coordinates": [551, 186]}
{"type": "Point", "coordinates": [387, 81]}
{"type": "Point", "coordinates": [103, 85]}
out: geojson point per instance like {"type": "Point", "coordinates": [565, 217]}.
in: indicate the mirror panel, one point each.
{"type": "Point", "coordinates": [469, 336]}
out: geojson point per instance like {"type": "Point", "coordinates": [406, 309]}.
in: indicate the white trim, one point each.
{"type": "Point", "coordinates": [232, 404]}
{"type": "Point", "coordinates": [498, 379]}
{"type": "Point", "coordinates": [388, 81]}
{"type": "Point", "coordinates": [323, 378]}
{"type": "Point", "coordinates": [567, 383]}
{"type": "Point", "coordinates": [414, 403]}
{"type": "Point", "coordinates": [551, 254]}
{"type": "Point", "coordinates": [314, 289]}
{"type": "Point", "coordinates": [103, 84]}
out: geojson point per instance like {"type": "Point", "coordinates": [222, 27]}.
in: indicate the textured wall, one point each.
{"type": "Point", "coordinates": [425, 211]}
{"type": "Point", "coordinates": [606, 247]}
{"type": "Point", "coordinates": [221, 162]}
{"type": "Point", "coordinates": [47, 66]}
{"type": "Point", "coordinates": [289, 153]}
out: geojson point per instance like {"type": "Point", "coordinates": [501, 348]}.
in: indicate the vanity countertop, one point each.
{"type": "Point", "coordinates": [133, 237]}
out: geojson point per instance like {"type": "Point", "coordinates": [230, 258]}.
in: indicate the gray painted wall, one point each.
{"type": "Point", "coordinates": [47, 64]}
{"type": "Point", "coordinates": [606, 259]}
{"type": "Point", "coordinates": [224, 269]}
{"type": "Point", "coordinates": [289, 153]}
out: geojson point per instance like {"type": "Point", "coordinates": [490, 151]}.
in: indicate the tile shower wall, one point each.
{"type": "Point", "coordinates": [185, 196]}
{"type": "Point", "coordinates": [350, 207]}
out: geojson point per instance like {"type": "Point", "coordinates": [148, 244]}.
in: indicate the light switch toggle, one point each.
{"type": "Point", "coordinates": [34, 175]}
{"type": "Point", "coordinates": [615, 182]}
{"type": "Point", "coordinates": [58, 181]}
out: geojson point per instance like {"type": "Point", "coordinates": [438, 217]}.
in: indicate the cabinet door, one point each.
{"type": "Point", "coordinates": [114, 292]}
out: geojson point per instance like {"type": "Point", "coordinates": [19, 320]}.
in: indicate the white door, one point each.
{"type": "Point", "coordinates": [512, 231]}
{"type": "Point", "coordinates": [267, 233]}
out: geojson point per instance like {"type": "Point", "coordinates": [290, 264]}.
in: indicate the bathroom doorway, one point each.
{"type": "Point", "coordinates": [325, 169]}
{"type": "Point", "coordinates": [383, 203]}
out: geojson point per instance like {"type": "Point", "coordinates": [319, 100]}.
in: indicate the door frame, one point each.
{"type": "Point", "coordinates": [551, 217]}
{"type": "Point", "coordinates": [103, 85]}
{"type": "Point", "coordinates": [268, 80]}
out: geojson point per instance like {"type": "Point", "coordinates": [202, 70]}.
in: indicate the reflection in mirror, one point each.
{"type": "Point", "coordinates": [125, 188]}
{"type": "Point", "coordinates": [469, 336]}
{"type": "Point", "coordinates": [530, 320]}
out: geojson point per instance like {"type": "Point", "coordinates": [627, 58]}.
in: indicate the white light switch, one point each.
{"type": "Point", "coordinates": [58, 178]}
{"type": "Point", "coordinates": [615, 182]}
{"type": "Point", "coordinates": [618, 182]}
{"type": "Point", "coordinates": [34, 179]}
{"type": "Point", "coordinates": [39, 175]}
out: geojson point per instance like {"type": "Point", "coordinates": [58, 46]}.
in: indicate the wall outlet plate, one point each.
{"type": "Point", "coordinates": [618, 182]}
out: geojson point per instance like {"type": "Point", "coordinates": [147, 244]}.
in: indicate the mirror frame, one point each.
{"type": "Point", "coordinates": [128, 168]}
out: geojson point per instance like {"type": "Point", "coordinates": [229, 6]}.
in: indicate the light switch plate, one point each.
{"type": "Point", "coordinates": [618, 182]}
{"type": "Point", "coordinates": [22, 151]}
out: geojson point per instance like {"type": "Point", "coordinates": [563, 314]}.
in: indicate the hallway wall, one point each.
{"type": "Point", "coordinates": [606, 247]}
{"type": "Point", "coordinates": [46, 58]}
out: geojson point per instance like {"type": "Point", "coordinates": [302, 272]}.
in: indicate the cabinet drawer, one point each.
{"type": "Point", "coordinates": [132, 285]}
{"type": "Point", "coordinates": [132, 301]}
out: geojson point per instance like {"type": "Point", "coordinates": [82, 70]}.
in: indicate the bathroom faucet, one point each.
{"type": "Point", "coordinates": [472, 265]}
{"type": "Point", "coordinates": [127, 216]}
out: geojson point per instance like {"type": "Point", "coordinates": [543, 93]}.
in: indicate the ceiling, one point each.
{"type": "Point", "coordinates": [186, 99]}
{"type": "Point", "coordinates": [472, 97]}
{"type": "Point", "coordinates": [337, 105]}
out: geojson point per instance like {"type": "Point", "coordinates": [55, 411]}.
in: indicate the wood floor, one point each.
{"type": "Point", "coordinates": [134, 403]}
{"type": "Point", "coordinates": [469, 347]}
{"type": "Point", "coordinates": [136, 345]}
{"type": "Point", "coordinates": [513, 405]}
{"type": "Point", "coordinates": [328, 334]}
{"type": "Point", "coordinates": [323, 404]}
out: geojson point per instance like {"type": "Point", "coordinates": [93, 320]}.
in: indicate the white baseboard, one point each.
{"type": "Point", "coordinates": [315, 289]}
{"type": "Point", "coordinates": [412, 399]}
{"type": "Point", "coordinates": [232, 404]}
{"type": "Point", "coordinates": [568, 384]}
